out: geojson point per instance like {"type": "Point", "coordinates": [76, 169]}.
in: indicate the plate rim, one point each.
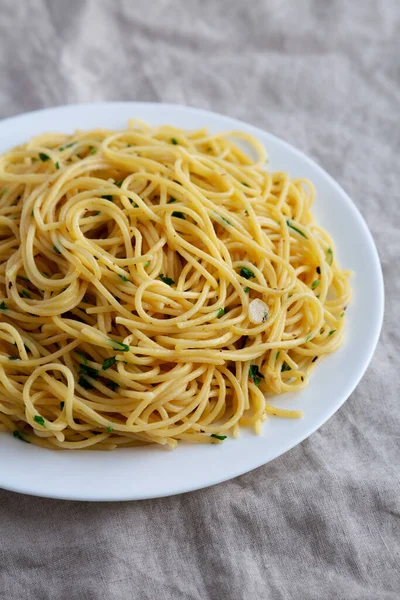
{"type": "Point", "coordinates": [374, 335]}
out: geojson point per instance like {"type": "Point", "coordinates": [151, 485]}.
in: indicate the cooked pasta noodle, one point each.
{"type": "Point", "coordinates": [157, 285]}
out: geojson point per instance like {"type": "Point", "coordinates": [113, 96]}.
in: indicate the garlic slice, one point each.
{"type": "Point", "coordinates": [258, 311]}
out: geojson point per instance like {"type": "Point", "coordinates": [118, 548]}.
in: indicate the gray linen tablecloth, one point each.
{"type": "Point", "coordinates": [321, 522]}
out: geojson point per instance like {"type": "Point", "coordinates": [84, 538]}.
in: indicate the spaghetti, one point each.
{"type": "Point", "coordinates": [157, 285]}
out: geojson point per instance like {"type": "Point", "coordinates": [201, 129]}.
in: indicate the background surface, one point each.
{"type": "Point", "coordinates": [323, 520]}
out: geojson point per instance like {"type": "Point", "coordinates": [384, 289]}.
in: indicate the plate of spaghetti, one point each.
{"type": "Point", "coordinates": [183, 298]}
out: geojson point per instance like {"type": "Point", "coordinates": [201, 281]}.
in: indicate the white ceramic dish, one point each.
{"type": "Point", "coordinates": [152, 471]}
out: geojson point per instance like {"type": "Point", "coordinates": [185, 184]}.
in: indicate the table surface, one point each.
{"type": "Point", "coordinates": [322, 521]}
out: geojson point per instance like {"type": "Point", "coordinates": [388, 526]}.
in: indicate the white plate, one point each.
{"type": "Point", "coordinates": [151, 472]}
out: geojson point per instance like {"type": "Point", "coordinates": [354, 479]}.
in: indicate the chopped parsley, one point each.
{"type": "Point", "coordinates": [17, 435]}
{"type": "Point", "coordinates": [244, 183]}
{"type": "Point", "coordinates": [112, 385]}
{"type": "Point", "coordinates": [218, 437]}
{"type": "Point", "coordinates": [296, 229]}
{"type": "Point", "coordinates": [246, 273]}
{"type": "Point", "coordinates": [309, 337]}
{"type": "Point", "coordinates": [56, 250]}
{"type": "Point", "coordinates": [167, 280]}
{"type": "Point", "coordinates": [329, 256]}
{"type": "Point", "coordinates": [341, 316]}
{"type": "Point", "coordinates": [108, 362]}
{"type": "Point", "coordinates": [3, 306]}
{"type": "Point", "coordinates": [109, 429]}
{"type": "Point", "coordinates": [221, 312]}
{"type": "Point", "coordinates": [39, 420]}
{"type": "Point", "coordinates": [171, 200]}
{"type": "Point", "coordinates": [43, 157]}
{"type": "Point", "coordinates": [32, 214]}
{"type": "Point", "coordinates": [57, 165]}
{"type": "Point", "coordinates": [23, 278]}
{"type": "Point", "coordinates": [4, 191]}
{"type": "Point", "coordinates": [174, 141]}
{"type": "Point", "coordinates": [13, 358]}
{"type": "Point", "coordinates": [62, 404]}
{"type": "Point", "coordinates": [147, 264]}
{"type": "Point", "coordinates": [123, 277]}
{"type": "Point", "coordinates": [285, 367]}
{"type": "Point", "coordinates": [119, 183]}
{"type": "Point", "coordinates": [331, 332]}
{"type": "Point", "coordinates": [106, 197]}
{"type": "Point", "coordinates": [85, 300]}
{"type": "Point", "coordinates": [66, 146]}
{"type": "Point", "coordinates": [85, 383]}
{"type": "Point", "coordinates": [277, 355]}
{"type": "Point", "coordinates": [120, 346]}
{"type": "Point", "coordinates": [178, 215]}
{"type": "Point", "coordinates": [226, 220]}
{"type": "Point", "coordinates": [25, 293]}
{"type": "Point", "coordinates": [246, 290]}
{"type": "Point", "coordinates": [315, 284]}
{"type": "Point", "coordinates": [92, 151]}
{"type": "Point", "coordinates": [255, 375]}
{"type": "Point", "coordinates": [86, 370]}
{"type": "Point", "coordinates": [82, 355]}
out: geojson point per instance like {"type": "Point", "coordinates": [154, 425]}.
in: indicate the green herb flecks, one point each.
{"type": "Point", "coordinates": [315, 284]}
{"type": "Point", "coordinates": [296, 229]}
{"type": "Point", "coordinates": [109, 429]}
{"type": "Point", "coordinates": [18, 435]}
{"type": "Point", "coordinates": [277, 355]}
{"type": "Point", "coordinates": [341, 314]}
{"type": "Point", "coordinates": [246, 273]}
{"type": "Point", "coordinates": [329, 256]}
{"type": "Point", "coordinates": [25, 293]}
{"type": "Point", "coordinates": [107, 197]}
{"type": "Point", "coordinates": [285, 367]}
{"type": "Point", "coordinates": [219, 437]}
{"type": "Point", "coordinates": [147, 264]}
{"type": "Point", "coordinates": [174, 141]}
{"type": "Point", "coordinates": [108, 362]}
{"type": "Point", "coordinates": [308, 338]}
{"type": "Point", "coordinates": [92, 150]}
{"type": "Point", "coordinates": [62, 404]}
{"type": "Point", "coordinates": [171, 200]}
{"type": "Point", "coordinates": [167, 280]}
{"type": "Point", "coordinates": [119, 183]}
{"type": "Point", "coordinates": [85, 383]}
{"type": "Point", "coordinates": [3, 191]}
{"type": "Point", "coordinates": [178, 215]}
{"type": "Point", "coordinates": [112, 385]}
{"type": "Point", "coordinates": [3, 306]}
{"type": "Point", "coordinates": [43, 157]}
{"type": "Point", "coordinates": [13, 358]}
{"type": "Point", "coordinates": [331, 332]}
{"type": "Point", "coordinates": [66, 146]}
{"type": "Point", "coordinates": [221, 312]}
{"type": "Point", "coordinates": [56, 250]}
{"type": "Point", "coordinates": [86, 370]}
{"type": "Point", "coordinates": [119, 346]}
{"type": "Point", "coordinates": [82, 355]}
{"type": "Point", "coordinates": [123, 277]}
{"type": "Point", "coordinates": [23, 278]}
{"type": "Point", "coordinates": [57, 165]}
{"type": "Point", "coordinates": [246, 290]}
{"type": "Point", "coordinates": [255, 375]}
{"type": "Point", "coordinates": [39, 420]}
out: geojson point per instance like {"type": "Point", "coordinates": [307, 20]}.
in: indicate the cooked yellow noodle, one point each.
{"type": "Point", "coordinates": [129, 265]}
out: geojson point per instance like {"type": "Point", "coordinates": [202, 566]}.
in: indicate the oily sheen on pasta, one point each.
{"type": "Point", "coordinates": [157, 285]}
